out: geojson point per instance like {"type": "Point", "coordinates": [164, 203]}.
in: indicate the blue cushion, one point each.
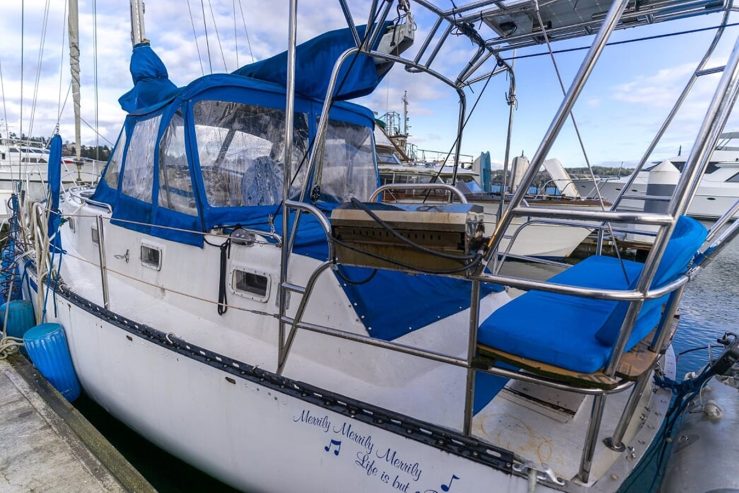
{"type": "Point", "coordinates": [578, 333]}
{"type": "Point", "coordinates": [687, 237]}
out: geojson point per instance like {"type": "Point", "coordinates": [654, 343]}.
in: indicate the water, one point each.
{"type": "Point", "coordinates": [166, 473]}
{"type": "Point", "coordinates": [710, 307]}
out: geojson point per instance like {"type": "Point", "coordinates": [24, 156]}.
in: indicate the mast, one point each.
{"type": "Point", "coordinates": [138, 33]}
{"type": "Point", "coordinates": [74, 65]}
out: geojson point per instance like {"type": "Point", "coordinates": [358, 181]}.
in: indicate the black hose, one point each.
{"type": "Point", "coordinates": [222, 297]}
{"type": "Point", "coordinates": [405, 240]}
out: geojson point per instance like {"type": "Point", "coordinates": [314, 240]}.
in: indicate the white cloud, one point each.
{"type": "Point", "coordinates": [169, 27]}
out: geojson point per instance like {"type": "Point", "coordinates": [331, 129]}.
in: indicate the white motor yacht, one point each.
{"type": "Point", "coordinates": [718, 190]}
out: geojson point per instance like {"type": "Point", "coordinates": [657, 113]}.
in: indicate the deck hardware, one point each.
{"type": "Point", "coordinates": [99, 234]}
{"type": "Point", "coordinates": [124, 256]}
{"type": "Point", "coordinates": [541, 472]}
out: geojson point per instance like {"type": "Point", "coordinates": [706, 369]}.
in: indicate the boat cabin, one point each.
{"type": "Point", "coordinates": [212, 155]}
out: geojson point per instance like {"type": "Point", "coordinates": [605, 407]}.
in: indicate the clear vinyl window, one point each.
{"type": "Point", "coordinates": [175, 184]}
{"type": "Point", "coordinates": [138, 174]}
{"type": "Point", "coordinates": [348, 162]}
{"type": "Point", "coordinates": [111, 174]}
{"type": "Point", "coordinates": [241, 151]}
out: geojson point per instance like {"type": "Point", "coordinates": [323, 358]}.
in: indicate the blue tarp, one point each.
{"type": "Point", "coordinates": [54, 174]}
{"type": "Point", "coordinates": [314, 61]}
{"type": "Point", "coordinates": [152, 87]}
{"type": "Point", "coordinates": [389, 303]}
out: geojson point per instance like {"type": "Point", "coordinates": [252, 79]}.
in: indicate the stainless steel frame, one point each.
{"type": "Point", "coordinates": [723, 101]}
{"type": "Point", "coordinates": [418, 186]}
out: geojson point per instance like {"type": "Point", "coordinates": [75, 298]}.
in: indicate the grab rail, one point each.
{"type": "Point", "coordinates": [418, 186]}
{"type": "Point", "coordinates": [608, 216]}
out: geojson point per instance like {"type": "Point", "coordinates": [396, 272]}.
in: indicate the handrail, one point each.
{"type": "Point", "coordinates": [322, 220]}
{"type": "Point", "coordinates": [614, 216]}
{"type": "Point", "coordinates": [452, 360]}
{"type": "Point", "coordinates": [77, 193]}
{"type": "Point", "coordinates": [418, 186]}
{"type": "Point", "coordinates": [725, 217]}
{"type": "Point", "coordinates": [598, 293]}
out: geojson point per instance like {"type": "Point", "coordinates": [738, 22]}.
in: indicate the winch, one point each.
{"type": "Point", "coordinates": [430, 238]}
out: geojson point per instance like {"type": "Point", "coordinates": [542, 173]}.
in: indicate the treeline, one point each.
{"type": "Point", "coordinates": [101, 153]}
{"type": "Point", "coordinates": [600, 171]}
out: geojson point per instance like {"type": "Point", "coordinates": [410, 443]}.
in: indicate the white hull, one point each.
{"type": "Point", "coordinates": [536, 239]}
{"type": "Point", "coordinates": [258, 433]}
{"type": "Point", "coordinates": [252, 436]}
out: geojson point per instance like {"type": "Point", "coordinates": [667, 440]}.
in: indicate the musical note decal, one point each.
{"type": "Point", "coordinates": [337, 444]}
{"type": "Point", "coordinates": [447, 487]}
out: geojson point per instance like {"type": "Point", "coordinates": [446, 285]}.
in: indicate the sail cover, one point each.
{"type": "Point", "coordinates": [314, 61]}
{"type": "Point", "coordinates": [54, 175]}
{"type": "Point", "coordinates": [152, 87]}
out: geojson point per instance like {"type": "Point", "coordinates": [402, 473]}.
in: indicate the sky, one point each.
{"type": "Point", "coordinates": [627, 97]}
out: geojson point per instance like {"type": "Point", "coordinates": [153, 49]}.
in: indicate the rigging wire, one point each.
{"type": "Point", "coordinates": [195, 38]}
{"type": "Point", "coordinates": [95, 75]}
{"type": "Point", "coordinates": [23, 52]}
{"type": "Point", "coordinates": [435, 178]}
{"type": "Point", "coordinates": [207, 39]}
{"type": "Point", "coordinates": [21, 164]}
{"type": "Point", "coordinates": [218, 36]}
{"type": "Point", "coordinates": [248, 41]}
{"type": "Point", "coordinates": [5, 109]}
{"type": "Point", "coordinates": [579, 139]}
{"type": "Point", "coordinates": [39, 62]}
{"type": "Point", "coordinates": [64, 104]}
{"type": "Point", "coordinates": [236, 37]}
{"type": "Point", "coordinates": [95, 130]}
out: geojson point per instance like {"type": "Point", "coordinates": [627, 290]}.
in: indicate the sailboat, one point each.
{"type": "Point", "coordinates": [235, 290]}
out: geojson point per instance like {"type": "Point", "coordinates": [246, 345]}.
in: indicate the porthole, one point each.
{"type": "Point", "coordinates": [70, 221]}
{"type": "Point", "coordinates": [95, 235]}
{"type": "Point", "coordinates": [151, 257]}
{"type": "Point", "coordinates": [250, 284]}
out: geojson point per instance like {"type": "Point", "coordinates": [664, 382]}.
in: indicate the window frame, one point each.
{"type": "Point", "coordinates": [249, 294]}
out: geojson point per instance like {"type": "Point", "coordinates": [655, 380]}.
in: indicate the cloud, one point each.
{"type": "Point", "coordinates": [658, 89]}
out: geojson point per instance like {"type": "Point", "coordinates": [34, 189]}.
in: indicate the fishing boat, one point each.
{"type": "Point", "coordinates": [236, 291]}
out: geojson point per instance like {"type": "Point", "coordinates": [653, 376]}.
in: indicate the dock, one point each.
{"type": "Point", "coordinates": [47, 445]}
